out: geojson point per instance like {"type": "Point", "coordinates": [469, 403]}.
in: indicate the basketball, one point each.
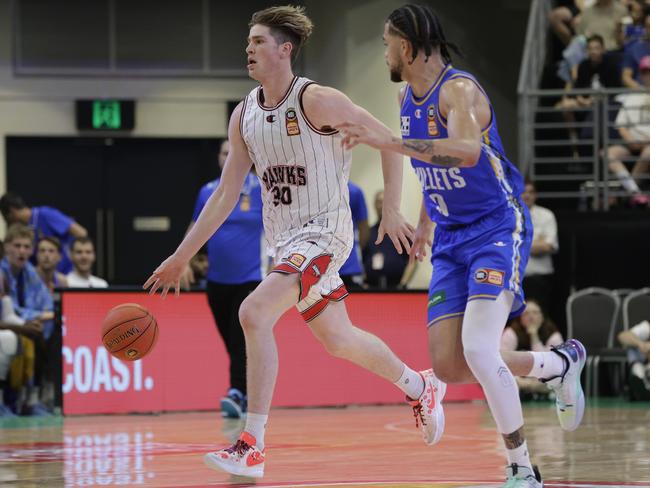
{"type": "Point", "coordinates": [129, 331]}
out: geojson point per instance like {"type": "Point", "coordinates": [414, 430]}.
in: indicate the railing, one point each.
{"type": "Point", "coordinates": [566, 145]}
{"type": "Point", "coordinates": [532, 65]}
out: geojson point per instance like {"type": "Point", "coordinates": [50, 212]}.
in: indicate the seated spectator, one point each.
{"type": "Point", "coordinates": [633, 54]}
{"type": "Point", "coordinates": [46, 222]}
{"type": "Point", "coordinates": [637, 340]}
{"type": "Point", "coordinates": [531, 332]}
{"type": "Point", "coordinates": [633, 124]}
{"type": "Point", "coordinates": [199, 265]}
{"type": "Point", "coordinates": [632, 28]}
{"type": "Point", "coordinates": [32, 302]}
{"type": "Point", "coordinates": [83, 259]}
{"type": "Point", "coordinates": [48, 256]}
{"type": "Point", "coordinates": [384, 267]}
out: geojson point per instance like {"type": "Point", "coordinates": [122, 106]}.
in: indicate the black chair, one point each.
{"type": "Point", "coordinates": [591, 318]}
{"type": "Point", "coordinates": [636, 308]}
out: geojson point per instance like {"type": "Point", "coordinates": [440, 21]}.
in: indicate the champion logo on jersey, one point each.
{"type": "Point", "coordinates": [291, 121]}
{"type": "Point", "coordinates": [405, 125]}
{"type": "Point", "coordinates": [418, 114]}
{"type": "Point", "coordinates": [500, 244]}
{"type": "Point", "coordinates": [270, 118]}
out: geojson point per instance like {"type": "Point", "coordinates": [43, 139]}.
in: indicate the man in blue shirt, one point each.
{"type": "Point", "coordinates": [31, 300]}
{"type": "Point", "coordinates": [632, 55]}
{"type": "Point", "coordinates": [234, 270]}
{"type": "Point", "coordinates": [352, 271]}
{"type": "Point", "coordinates": [46, 222]}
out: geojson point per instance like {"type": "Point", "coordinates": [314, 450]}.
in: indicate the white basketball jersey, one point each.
{"type": "Point", "coordinates": [303, 170]}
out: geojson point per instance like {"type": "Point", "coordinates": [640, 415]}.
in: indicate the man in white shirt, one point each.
{"type": "Point", "coordinates": [539, 271]}
{"type": "Point", "coordinates": [633, 124]}
{"type": "Point", "coordinates": [637, 340]}
{"type": "Point", "coordinates": [83, 258]}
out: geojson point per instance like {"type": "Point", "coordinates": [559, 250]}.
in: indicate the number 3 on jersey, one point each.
{"type": "Point", "coordinates": [281, 195]}
{"type": "Point", "coordinates": [439, 203]}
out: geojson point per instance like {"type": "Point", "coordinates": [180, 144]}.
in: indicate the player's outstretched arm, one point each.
{"type": "Point", "coordinates": [328, 107]}
{"type": "Point", "coordinates": [461, 100]}
{"type": "Point", "coordinates": [215, 212]}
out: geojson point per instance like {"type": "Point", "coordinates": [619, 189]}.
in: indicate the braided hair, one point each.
{"type": "Point", "coordinates": [419, 25]}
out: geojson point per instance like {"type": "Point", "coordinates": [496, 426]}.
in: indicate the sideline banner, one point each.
{"type": "Point", "coordinates": [188, 368]}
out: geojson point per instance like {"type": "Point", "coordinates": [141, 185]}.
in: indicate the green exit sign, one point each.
{"type": "Point", "coordinates": [105, 115]}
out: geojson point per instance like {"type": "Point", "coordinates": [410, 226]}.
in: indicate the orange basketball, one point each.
{"type": "Point", "coordinates": [129, 331]}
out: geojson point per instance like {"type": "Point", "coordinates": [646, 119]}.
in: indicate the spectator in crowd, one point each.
{"type": "Point", "coordinates": [562, 19]}
{"type": "Point", "coordinates": [199, 265]}
{"type": "Point", "coordinates": [633, 54]}
{"type": "Point", "coordinates": [48, 256]}
{"type": "Point", "coordinates": [352, 271]}
{"type": "Point", "coordinates": [234, 271]}
{"type": "Point", "coordinates": [83, 260]}
{"type": "Point", "coordinates": [604, 18]}
{"type": "Point", "coordinates": [633, 124]}
{"type": "Point", "coordinates": [633, 28]}
{"type": "Point", "coordinates": [33, 302]}
{"type": "Point", "coordinates": [533, 331]}
{"type": "Point", "coordinates": [538, 278]}
{"type": "Point", "coordinates": [384, 267]}
{"type": "Point", "coordinates": [637, 340]}
{"type": "Point", "coordinates": [46, 222]}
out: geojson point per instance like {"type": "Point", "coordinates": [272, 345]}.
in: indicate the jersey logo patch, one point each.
{"type": "Point", "coordinates": [405, 125]}
{"type": "Point", "coordinates": [418, 114]}
{"type": "Point", "coordinates": [491, 276]}
{"type": "Point", "coordinates": [432, 125]}
{"type": "Point", "coordinates": [297, 259]}
{"type": "Point", "coordinates": [291, 121]}
{"type": "Point", "coordinates": [270, 118]}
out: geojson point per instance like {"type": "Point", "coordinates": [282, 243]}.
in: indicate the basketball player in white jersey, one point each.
{"type": "Point", "coordinates": [284, 128]}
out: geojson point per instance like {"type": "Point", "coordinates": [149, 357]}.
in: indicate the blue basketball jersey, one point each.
{"type": "Point", "coordinates": [458, 196]}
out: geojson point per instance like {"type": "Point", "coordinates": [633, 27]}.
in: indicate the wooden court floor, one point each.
{"type": "Point", "coordinates": [337, 447]}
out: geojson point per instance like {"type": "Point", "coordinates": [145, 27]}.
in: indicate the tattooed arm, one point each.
{"type": "Point", "coordinates": [467, 111]}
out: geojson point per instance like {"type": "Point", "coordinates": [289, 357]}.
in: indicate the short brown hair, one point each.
{"type": "Point", "coordinates": [288, 23]}
{"type": "Point", "coordinates": [19, 231]}
{"type": "Point", "coordinates": [52, 240]}
{"type": "Point", "coordinates": [81, 240]}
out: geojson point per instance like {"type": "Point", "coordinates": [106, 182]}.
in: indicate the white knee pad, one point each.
{"type": "Point", "coordinates": [8, 349]}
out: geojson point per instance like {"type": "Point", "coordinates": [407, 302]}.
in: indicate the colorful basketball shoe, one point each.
{"type": "Point", "coordinates": [569, 397]}
{"type": "Point", "coordinates": [243, 458]}
{"type": "Point", "coordinates": [522, 477]}
{"type": "Point", "coordinates": [427, 410]}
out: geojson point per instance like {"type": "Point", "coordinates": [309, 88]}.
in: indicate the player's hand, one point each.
{"type": "Point", "coordinates": [421, 241]}
{"type": "Point", "coordinates": [166, 276]}
{"type": "Point", "coordinates": [187, 278]}
{"type": "Point", "coordinates": [354, 134]}
{"type": "Point", "coordinates": [397, 228]}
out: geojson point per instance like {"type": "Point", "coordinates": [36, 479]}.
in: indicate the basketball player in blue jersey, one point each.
{"type": "Point", "coordinates": [471, 191]}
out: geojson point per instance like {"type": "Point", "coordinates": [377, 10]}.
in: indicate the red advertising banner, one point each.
{"type": "Point", "coordinates": [188, 368]}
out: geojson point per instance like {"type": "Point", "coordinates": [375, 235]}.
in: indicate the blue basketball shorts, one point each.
{"type": "Point", "coordinates": [478, 261]}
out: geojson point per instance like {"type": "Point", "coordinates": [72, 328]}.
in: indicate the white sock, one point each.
{"type": "Point", "coordinates": [638, 370]}
{"type": "Point", "coordinates": [627, 181]}
{"type": "Point", "coordinates": [546, 365]}
{"type": "Point", "coordinates": [519, 456]}
{"type": "Point", "coordinates": [256, 426]}
{"type": "Point", "coordinates": [411, 383]}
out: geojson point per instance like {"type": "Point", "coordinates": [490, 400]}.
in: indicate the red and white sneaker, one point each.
{"type": "Point", "coordinates": [243, 458]}
{"type": "Point", "coordinates": [427, 410]}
